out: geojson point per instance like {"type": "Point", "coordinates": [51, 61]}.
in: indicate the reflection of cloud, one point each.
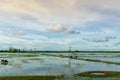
{"type": "Point", "coordinates": [59, 28]}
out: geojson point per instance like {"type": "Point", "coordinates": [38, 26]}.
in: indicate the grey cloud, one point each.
{"type": "Point", "coordinates": [20, 33]}
{"type": "Point", "coordinates": [69, 31]}
{"type": "Point", "coordinates": [96, 40]}
{"type": "Point", "coordinates": [110, 37]}
{"type": "Point", "coordinates": [104, 39]}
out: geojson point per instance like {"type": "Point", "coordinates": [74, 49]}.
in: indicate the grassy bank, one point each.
{"type": "Point", "coordinates": [103, 74]}
{"type": "Point", "coordinates": [31, 78]}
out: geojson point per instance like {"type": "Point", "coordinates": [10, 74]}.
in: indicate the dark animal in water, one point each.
{"type": "Point", "coordinates": [4, 62]}
{"type": "Point", "coordinates": [71, 57]}
{"type": "Point", "coordinates": [60, 55]}
{"type": "Point", "coordinates": [76, 56]}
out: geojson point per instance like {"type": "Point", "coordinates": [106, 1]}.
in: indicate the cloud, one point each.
{"type": "Point", "coordinates": [2, 32]}
{"type": "Point", "coordinates": [91, 33]}
{"type": "Point", "coordinates": [36, 16]}
{"type": "Point", "coordinates": [17, 33]}
{"type": "Point", "coordinates": [107, 30]}
{"type": "Point", "coordinates": [73, 12]}
{"type": "Point", "coordinates": [103, 39]}
{"type": "Point", "coordinates": [61, 29]}
{"type": "Point", "coordinates": [109, 37]}
{"type": "Point", "coordinates": [20, 33]}
{"type": "Point", "coordinates": [31, 41]}
{"type": "Point", "coordinates": [46, 12]}
{"type": "Point", "coordinates": [69, 31]}
{"type": "Point", "coordinates": [58, 28]}
{"type": "Point", "coordinates": [117, 44]}
{"type": "Point", "coordinates": [96, 40]}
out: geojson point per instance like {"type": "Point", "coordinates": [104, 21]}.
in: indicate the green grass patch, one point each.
{"type": "Point", "coordinates": [107, 62]}
{"type": "Point", "coordinates": [31, 78]}
{"type": "Point", "coordinates": [101, 74]}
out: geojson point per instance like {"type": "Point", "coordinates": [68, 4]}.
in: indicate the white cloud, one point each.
{"type": "Point", "coordinates": [2, 32]}
{"type": "Point", "coordinates": [33, 41]}
{"type": "Point", "coordinates": [58, 28]}
{"type": "Point", "coordinates": [48, 12]}
{"type": "Point", "coordinates": [107, 30]}
{"type": "Point", "coordinates": [72, 12]}
{"type": "Point", "coordinates": [61, 29]}
{"type": "Point", "coordinates": [41, 15]}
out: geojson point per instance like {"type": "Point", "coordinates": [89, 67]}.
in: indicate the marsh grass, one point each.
{"type": "Point", "coordinates": [104, 74]}
{"type": "Point", "coordinates": [91, 60]}
{"type": "Point", "coordinates": [31, 78]}
{"type": "Point", "coordinates": [78, 77]}
{"type": "Point", "coordinates": [107, 62]}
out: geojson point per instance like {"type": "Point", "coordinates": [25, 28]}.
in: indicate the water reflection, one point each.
{"type": "Point", "coordinates": [37, 64]}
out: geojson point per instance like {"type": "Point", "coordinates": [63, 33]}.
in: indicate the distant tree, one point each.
{"type": "Point", "coordinates": [76, 51]}
{"type": "Point", "coordinates": [14, 50]}
{"type": "Point", "coordinates": [10, 50]}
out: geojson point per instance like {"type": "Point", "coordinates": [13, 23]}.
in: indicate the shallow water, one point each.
{"type": "Point", "coordinates": [23, 64]}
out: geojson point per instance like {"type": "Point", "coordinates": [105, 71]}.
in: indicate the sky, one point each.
{"type": "Point", "coordinates": [57, 24]}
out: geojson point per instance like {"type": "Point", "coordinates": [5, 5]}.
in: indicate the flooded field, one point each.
{"type": "Point", "coordinates": [51, 64]}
